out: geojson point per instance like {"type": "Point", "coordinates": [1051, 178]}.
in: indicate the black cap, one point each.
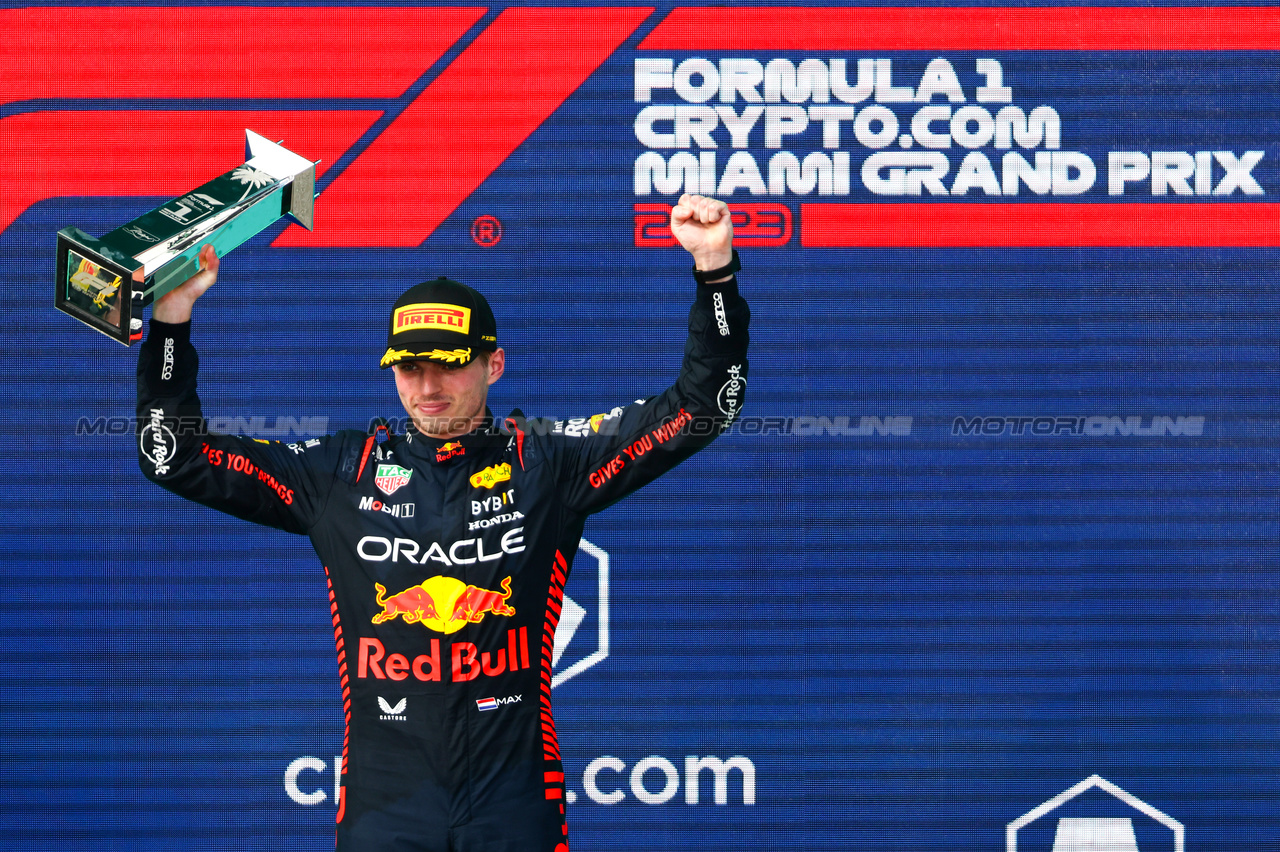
{"type": "Point", "coordinates": [440, 320]}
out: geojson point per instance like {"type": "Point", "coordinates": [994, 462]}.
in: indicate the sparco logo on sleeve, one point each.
{"type": "Point", "coordinates": [722, 321]}
{"type": "Point", "coordinates": [166, 366]}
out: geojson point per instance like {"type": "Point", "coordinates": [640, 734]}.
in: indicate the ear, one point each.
{"type": "Point", "coordinates": [497, 363]}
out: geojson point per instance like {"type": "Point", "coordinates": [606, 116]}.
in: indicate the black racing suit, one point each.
{"type": "Point", "coordinates": [446, 563]}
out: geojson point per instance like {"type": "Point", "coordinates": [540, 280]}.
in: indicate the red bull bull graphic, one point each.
{"type": "Point", "coordinates": [443, 604]}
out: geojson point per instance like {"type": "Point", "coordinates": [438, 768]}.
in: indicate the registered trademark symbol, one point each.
{"type": "Point", "coordinates": [486, 231]}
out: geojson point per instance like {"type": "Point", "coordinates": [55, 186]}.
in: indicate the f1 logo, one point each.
{"type": "Point", "coordinates": [358, 116]}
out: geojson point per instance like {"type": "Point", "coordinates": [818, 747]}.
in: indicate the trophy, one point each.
{"type": "Point", "coordinates": [105, 283]}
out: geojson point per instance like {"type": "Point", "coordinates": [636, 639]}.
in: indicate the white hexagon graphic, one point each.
{"type": "Point", "coordinates": [587, 650]}
{"type": "Point", "coordinates": [1105, 834]}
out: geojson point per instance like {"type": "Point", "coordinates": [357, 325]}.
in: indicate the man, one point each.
{"type": "Point", "coordinates": [447, 548]}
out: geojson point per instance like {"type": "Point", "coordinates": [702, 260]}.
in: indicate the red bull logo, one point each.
{"type": "Point", "coordinates": [458, 663]}
{"type": "Point", "coordinates": [443, 604]}
{"type": "Point", "coordinates": [449, 450]}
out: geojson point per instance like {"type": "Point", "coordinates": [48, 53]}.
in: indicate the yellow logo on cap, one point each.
{"type": "Point", "coordinates": [450, 356]}
{"type": "Point", "coordinates": [431, 315]}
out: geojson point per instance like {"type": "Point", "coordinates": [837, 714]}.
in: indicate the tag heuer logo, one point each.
{"type": "Point", "coordinates": [390, 478]}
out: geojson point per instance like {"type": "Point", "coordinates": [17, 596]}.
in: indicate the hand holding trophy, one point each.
{"type": "Point", "coordinates": [105, 283]}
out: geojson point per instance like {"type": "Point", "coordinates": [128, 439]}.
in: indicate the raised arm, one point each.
{"type": "Point", "coordinates": [613, 455]}
{"type": "Point", "coordinates": [267, 482]}
{"type": "Point", "coordinates": [702, 225]}
{"type": "Point", "coordinates": [175, 306]}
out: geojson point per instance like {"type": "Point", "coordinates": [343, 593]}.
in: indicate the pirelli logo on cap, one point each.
{"type": "Point", "coordinates": [426, 315]}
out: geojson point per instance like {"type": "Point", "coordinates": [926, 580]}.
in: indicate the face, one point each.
{"type": "Point", "coordinates": [443, 400]}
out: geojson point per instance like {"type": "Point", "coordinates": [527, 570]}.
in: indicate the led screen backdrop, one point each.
{"type": "Point", "coordinates": [987, 560]}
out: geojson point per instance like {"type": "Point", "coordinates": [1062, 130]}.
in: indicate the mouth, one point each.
{"type": "Point", "coordinates": [432, 409]}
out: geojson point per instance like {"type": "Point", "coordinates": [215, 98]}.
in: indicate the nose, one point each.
{"type": "Point", "coordinates": [430, 380]}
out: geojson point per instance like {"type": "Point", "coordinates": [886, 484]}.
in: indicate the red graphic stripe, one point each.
{"type": "Point", "coordinates": [342, 673]}
{"type": "Point", "coordinates": [154, 154]}
{"type": "Point", "coordinates": [553, 776]}
{"type": "Point", "coordinates": [364, 458]}
{"type": "Point", "coordinates": [1065, 225]}
{"type": "Point", "coordinates": [221, 52]}
{"type": "Point", "coordinates": [464, 125]}
{"type": "Point", "coordinates": [794, 28]}
{"type": "Point", "coordinates": [511, 424]}
{"type": "Point", "coordinates": [555, 598]}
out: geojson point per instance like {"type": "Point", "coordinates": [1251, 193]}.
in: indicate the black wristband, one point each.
{"type": "Point", "coordinates": [716, 274]}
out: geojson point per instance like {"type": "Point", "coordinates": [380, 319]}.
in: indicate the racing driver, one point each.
{"type": "Point", "coordinates": [447, 548]}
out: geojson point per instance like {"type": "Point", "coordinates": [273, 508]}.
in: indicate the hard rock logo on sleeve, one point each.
{"type": "Point", "coordinates": [157, 442]}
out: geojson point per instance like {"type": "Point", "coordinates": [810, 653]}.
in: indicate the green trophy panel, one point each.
{"type": "Point", "coordinates": [94, 285]}
{"type": "Point", "coordinates": [106, 282]}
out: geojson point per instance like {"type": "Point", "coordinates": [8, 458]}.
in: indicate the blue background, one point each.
{"type": "Point", "coordinates": [915, 639]}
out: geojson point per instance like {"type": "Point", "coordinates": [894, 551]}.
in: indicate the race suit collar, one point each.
{"type": "Point", "coordinates": [444, 450]}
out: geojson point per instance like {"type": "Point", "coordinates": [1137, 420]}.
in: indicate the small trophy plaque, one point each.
{"type": "Point", "coordinates": [105, 283]}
